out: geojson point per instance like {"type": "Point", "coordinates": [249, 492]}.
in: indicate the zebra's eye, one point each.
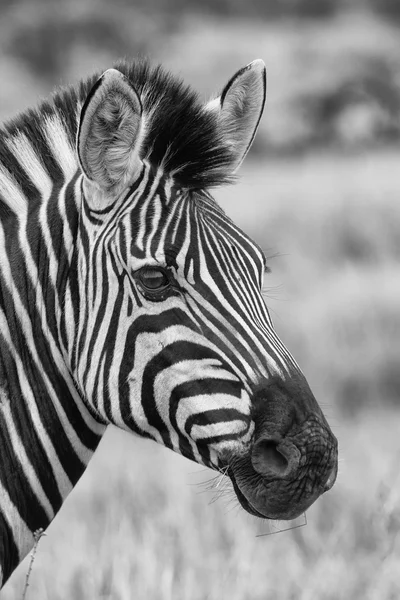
{"type": "Point", "coordinates": [153, 279]}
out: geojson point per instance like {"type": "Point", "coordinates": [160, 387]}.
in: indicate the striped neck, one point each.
{"type": "Point", "coordinates": [47, 438]}
{"type": "Point", "coordinates": [47, 435]}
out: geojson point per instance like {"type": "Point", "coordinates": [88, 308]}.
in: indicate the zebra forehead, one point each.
{"type": "Point", "coordinates": [225, 230]}
{"type": "Point", "coordinates": [182, 137]}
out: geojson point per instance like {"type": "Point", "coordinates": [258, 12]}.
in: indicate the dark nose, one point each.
{"type": "Point", "coordinates": [275, 458]}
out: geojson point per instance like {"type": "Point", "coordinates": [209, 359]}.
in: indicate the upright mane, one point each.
{"type": "Point", "coordinates": [181, 136]}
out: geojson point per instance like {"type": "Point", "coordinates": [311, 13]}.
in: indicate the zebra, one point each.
{"type": "Point", "coordinates": [128, 297]}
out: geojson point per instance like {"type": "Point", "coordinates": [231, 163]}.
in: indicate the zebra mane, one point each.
{"type": "Point", "coordinates": [181, 136]}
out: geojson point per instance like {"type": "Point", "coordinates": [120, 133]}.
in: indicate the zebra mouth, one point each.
{"type": "Point", "coordinates": [273, 499]}
{"type": "Point", "coordinates": [266, 499]}
{"type": "Point", "coordinates": [243, 501]}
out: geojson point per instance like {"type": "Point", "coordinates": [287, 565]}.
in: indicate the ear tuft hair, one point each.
{"type": "Point", "coordinates": [110, 133]}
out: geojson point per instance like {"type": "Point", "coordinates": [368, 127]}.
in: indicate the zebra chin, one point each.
{"type": "Point", "coordinates": [292, 457]}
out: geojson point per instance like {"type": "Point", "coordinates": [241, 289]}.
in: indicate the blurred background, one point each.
{"type": "Point", "coordinates": [320, 191]}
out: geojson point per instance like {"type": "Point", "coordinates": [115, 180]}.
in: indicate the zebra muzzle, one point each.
{"type": "Point", "coordinates": [285, 469]}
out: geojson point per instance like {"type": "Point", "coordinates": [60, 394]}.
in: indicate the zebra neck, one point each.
{"type": "Point", "coordinates": [47, 437]}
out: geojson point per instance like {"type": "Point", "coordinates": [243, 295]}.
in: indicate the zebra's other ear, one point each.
{"type": "Point", "coordinates": [110, 133]}
{"type": "Point", "coordinates": [240, 107]}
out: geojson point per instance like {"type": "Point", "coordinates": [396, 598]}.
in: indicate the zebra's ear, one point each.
{"type": "Point", "coordinates": [110, 133]}
{"type": "Point", "coordinates": [240, 107]}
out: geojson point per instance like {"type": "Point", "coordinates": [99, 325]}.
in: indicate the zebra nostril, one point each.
{"type": "Point", "coordinates": [270, 459]}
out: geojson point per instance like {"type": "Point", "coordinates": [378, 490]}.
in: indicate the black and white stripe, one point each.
{"type": "Point", "coordinates": [82, 344]}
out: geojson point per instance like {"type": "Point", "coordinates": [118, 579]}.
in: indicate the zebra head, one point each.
{"type": "Point", "coordinates": [169, 335]}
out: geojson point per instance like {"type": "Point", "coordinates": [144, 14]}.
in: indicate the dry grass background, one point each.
{"type": "Point", "coordinates": [321, 194]}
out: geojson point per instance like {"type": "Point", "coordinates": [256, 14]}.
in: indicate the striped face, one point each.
{"type": "Point", "coordinates": [172, 339]}
{"type": "Point", "coordinates": [179, 320]}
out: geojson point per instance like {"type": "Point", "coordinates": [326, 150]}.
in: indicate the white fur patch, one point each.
{"type": "Point", "coordinates": [235, 428]}
{"type": "Point", "coordinates": [10, 192]}
{"type": "Point", "coordinates": [213, 105]}
{"type": "Point", "coordinates": [22, 149]}
{"type": "Point", "coordinates": [60, 145]}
